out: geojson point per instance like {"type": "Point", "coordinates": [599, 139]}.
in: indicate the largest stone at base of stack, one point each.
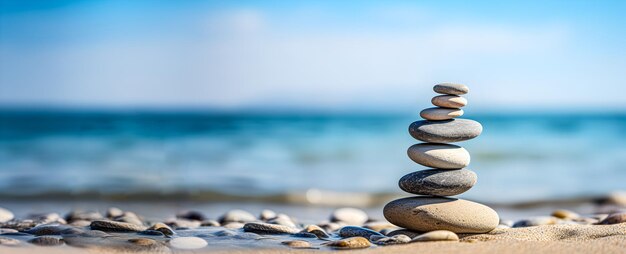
{"type": "Point", "coordinates": [428, 213]}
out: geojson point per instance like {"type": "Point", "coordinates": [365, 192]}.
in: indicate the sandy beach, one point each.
{"type": "Point", "coordinates": [599, 228]}
{"type": "Point", "coordinates": [541, 239]}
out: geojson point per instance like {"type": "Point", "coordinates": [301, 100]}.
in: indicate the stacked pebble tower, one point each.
{"type": "Point", "coordinates": [436, 210]}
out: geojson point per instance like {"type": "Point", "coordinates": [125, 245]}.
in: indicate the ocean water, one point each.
{"type": "Point", "coordinates": [521, 157]}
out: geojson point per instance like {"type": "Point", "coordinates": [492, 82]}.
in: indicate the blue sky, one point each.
{"type": "Point", "coordinates": [328, 55]}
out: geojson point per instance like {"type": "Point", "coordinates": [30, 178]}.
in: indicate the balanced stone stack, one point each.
{"type": "Point", "coordinates": [436, 210]}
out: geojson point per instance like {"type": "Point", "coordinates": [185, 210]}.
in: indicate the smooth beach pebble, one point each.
{"type": "Point", "coordinates": [316, 230]}
{"type": "Point", "coordinates": [536, 221]}
{"type": "Point", "coordinates": [438, 114]}
{"type": "Point", "coordinates": [438, 213]}
{"type": "Point", "coordinates": [449, 101]}
{"type": "Point", "coordinates": [441, 156]}
{"type": "Point", "coordinates": [266, 228]}
{"type": "Point", "coordinates": [267, 215]}
{"type": "Point", "coordinates": [350, 231]}
{"type": "Point", "coordinates": [233, 225]}
{"type": "Point", "coordinates": [188, 243]}
{"type": "Point", "coordinates": [614, 219]}
{"type": "Point", "coordinates": [379, 225]}
{"type": "Point", "coordinates": [237, 216]}
{"type": "Point", "coordinates": [297, 244]}
{"type": "Point", "coordinates": [446, 131]}
{"type": "Point", "coordinates": [451, 88]}
{"type": "Point", "coordinates": [356, 242]}
{"type": "Point", "coordinates": [565, 214]}
{"type": "Point", "coordinates": [385, 240]}
{"type": "Point", "coordinates": [350, 216]}
{"type": "Point", "coordinates": [5, 215]}
{"type": "Point", "coordinates": [48, 230]}
{"type": "Point", "coordinates": [437, 235]}
{"type": "Point", "coordinates": [209, 223]}
{"type": "Point", "coordinates": [438, 182]}
{"type": "Point", "coordinates": [113, 212]}
{"type": "Point", "coordinates": [9, 241]}
{"type": "Point", "coordinates": [282, 219]}
{"type": "Point", "coordinates": [115, 226]}
{"type": "Point", "coordinates": [46, 241]}
{"type": "Point", "coordinates": [83, 215]}
{"type": "Point", "coordinates": [161, 227]}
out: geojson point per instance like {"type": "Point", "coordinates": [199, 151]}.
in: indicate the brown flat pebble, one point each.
{"type": "Point", "coordinates": [46, 241]}
{"type": "Point", "coordinates": [356, 242]}
{"type": "Point", "coordinates": [297, 244]}
{"type": "Point", "coordinates": [142, 241]}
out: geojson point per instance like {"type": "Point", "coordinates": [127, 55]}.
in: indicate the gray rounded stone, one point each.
{"type": "Point", "coordinates": [441, 156]}
{"type": "Point", "coordinates": [451, 88]}
{"type": "Point", "coordinates": [438, 182]}
{"type": "Point", "coordinates": [266, 228]}
{"type": "Point", "coordinates": [115, 226]}
{"type": "Point", "coordinates": [447, 131]}
{"type": "Point", "coordinates": [350, 231]}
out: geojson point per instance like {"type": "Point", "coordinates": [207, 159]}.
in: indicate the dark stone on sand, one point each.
{"type": "Point", "coordinates": [115, 226]}
{"type": "Point", "coordinates": [350, 231]}
{"type": "Point", "coordinates": [438, 182]}
{"type": "Point", "coordinates": [151, 232]}
{"type": "Point", "coordinates": [49, 230]}
{"type": "Point", "coordinates": [614, 219]}
{"type": "Point", "coordinates": [191, 215]}
{"type": "Point", "coordinates": [266, 228]}
{"type": "Point", "coordinates": [446, 131]}
{"type": "Point", "coordinates": [304, 235]}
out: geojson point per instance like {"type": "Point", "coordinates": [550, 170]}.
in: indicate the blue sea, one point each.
{"type": "Point", "coordinates": [519, 157]}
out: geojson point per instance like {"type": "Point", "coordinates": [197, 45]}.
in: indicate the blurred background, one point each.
{"type": "Point", "coordinates": [304, 102]}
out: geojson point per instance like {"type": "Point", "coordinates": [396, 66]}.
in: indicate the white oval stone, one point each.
{"type": "Point", "coordinates": [425, 214]}
{"type": "Point", "coordinates": [436, 114]}
{"type": "Point", "coordinates": [437, 235]}
{"type": "Point", "coordinates": [441, 156]}
{"type": "Point", "coordinates": [188, 243]}
{"type": "Point", "coordinates": [449, 101]}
